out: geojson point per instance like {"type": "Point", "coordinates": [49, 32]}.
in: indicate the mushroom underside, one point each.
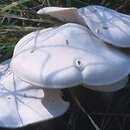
{"type": "Point", "coordinates": [64, 14]}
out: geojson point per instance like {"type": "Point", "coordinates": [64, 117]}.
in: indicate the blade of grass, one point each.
{"type": "Point", "coordinates": [104, 2]}
{"type": "Point", "coordinates": [123, 5]}
{"type": "Point", "coordinates": [69, 3]}
{"type": "Point", "coordinates": [118, 123]}
{"type": "Point", "coordinates": [8, 15]}
{"type": "Point", "coordinates": [80, 106]}
{"type": "Point", "coordinates": [81, 2]}
{"type": "Point", "coordinates": [119, 104]}
{"type": "Point", "coordinates": [8, 54]}
{"type": "Point", "coordinates": [107, 110]}
{"type": "Point", "coordinates": [14, 4]}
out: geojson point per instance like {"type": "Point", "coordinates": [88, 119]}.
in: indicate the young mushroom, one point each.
{"type": "Point", "coordinates": [22, 103]}
{"type": "Point", "coordinates": [69, 15]}
{"type": "Point", "coordinates": [110, 26]}
{"type": "Point", "coordinates": [67, 56]}
{"type": "Point", "coordinates": [107, 24]}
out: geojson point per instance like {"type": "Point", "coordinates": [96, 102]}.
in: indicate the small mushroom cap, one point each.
{"type": "Point", "coordinates": [22, 104]}
{"type": "Point", "coordinates": [107, 24]}
{"type": "Point", "coordinates": [109, 88]}
{"type": "Point", "coordinates": [69, 15]}
{"type": "Point", "coordinates": [61, 67]}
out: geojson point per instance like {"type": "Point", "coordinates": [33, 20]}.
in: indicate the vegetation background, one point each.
{"type": "Point", "coordinates": [89, 110]}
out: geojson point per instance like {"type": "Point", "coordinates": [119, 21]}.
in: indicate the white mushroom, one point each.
{"type": "Point", "coordinates": [64, 14]}
{"type": "Point", "coordinates": [63, 57]}
{"type": "Point", "coordinates": [55, 64]}
{"type": "Point", "coordinates": [110, 26]}
{"type": "Point", "coordinates": [65, 35]}
{"type": "Point", "coordinates": [22, 104]}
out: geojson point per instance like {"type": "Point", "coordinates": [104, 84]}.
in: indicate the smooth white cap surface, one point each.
{"type": "Point", "coordinates": [66, 35]}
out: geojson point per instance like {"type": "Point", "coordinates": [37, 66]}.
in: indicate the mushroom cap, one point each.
{"type": "Point", "coordinates": [69, 15]}
{"type": "Point", "coordinates": [29, 104]}
{"type": "Point", "coordinates": [110, 26]}
{"type": "Point", "coordinates": [109, 88]}
{"type": "Point", "coordinates": [68, 35]}
{"type": "Point", "coordinates": [61, 67]}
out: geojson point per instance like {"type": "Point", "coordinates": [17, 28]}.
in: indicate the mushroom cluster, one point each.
{"type": "Point", "coordinates": [91, 49]}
